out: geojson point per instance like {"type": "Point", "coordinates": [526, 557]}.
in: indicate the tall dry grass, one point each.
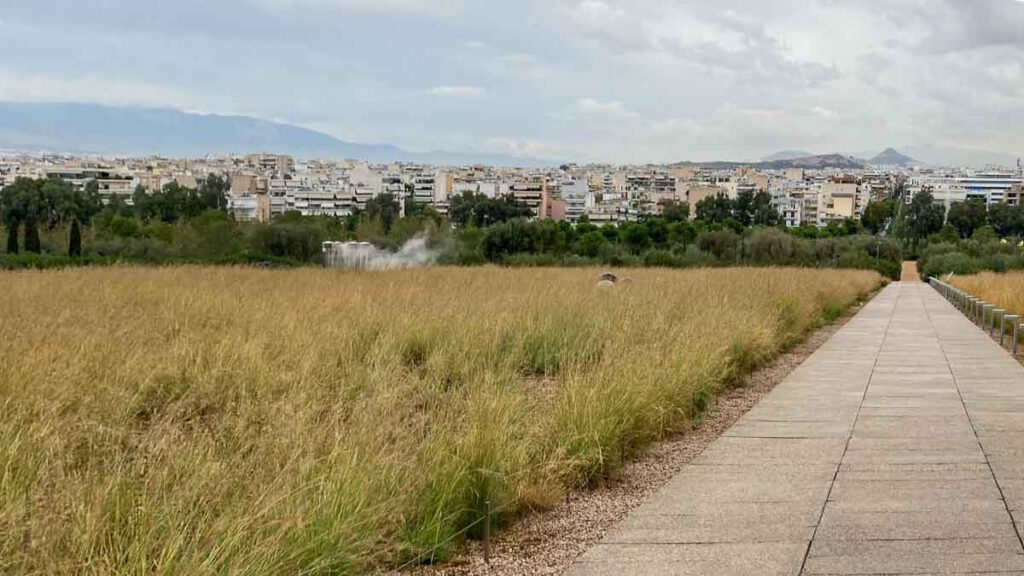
{"type": "Point", "coordinates": [200, 420]}
{"type": "Point", "coordinates": [1004, 289]}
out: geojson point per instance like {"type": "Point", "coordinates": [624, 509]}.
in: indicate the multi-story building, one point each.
{"type": "Point", "coordinates": [841, 199]}
{"type": "Point", "coordinates": [270, 162]}
{"type": "Point", "coordinates": [533, 192]}
{"type": "Point", "coordinates": [112, 182]}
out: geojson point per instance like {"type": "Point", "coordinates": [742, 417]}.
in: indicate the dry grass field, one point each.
{"type": "Point", "coordinates": [225, 420]}
{"type": "Point", "coordinates": [1003, 289]}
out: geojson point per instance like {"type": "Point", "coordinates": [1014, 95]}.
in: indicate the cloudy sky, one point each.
{"type": "Point", "coordinates": [606, 80]}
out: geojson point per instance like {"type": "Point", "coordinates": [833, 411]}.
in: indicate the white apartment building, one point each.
{"type": "Point", "coordinates": [339, 202]}
{"type": "Point", "coordinates": [244, 208]}
{"type": "Point", "coordinates": [989, 187]}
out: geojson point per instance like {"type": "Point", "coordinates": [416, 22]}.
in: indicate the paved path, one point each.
{"type": "Point", "coordinates": [897, 448]}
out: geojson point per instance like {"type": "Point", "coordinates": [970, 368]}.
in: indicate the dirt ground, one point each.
{"type": "Point", "coordinates": [910, 272]}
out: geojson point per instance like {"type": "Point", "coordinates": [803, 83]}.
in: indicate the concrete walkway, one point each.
{"type": "Point", "coordinates": [897, 448]}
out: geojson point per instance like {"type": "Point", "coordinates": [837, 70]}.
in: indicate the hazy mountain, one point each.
{"type": "Point", "coordinates": [821, 162]}
{"type": "Point", "coordinates": [787, 155]}
{"type": "Point", "coordinates": [129, 131]}
{"type": "Point", "coordinates": [892, 157]}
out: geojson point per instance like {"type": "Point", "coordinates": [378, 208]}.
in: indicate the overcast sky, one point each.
{"type": "Point", "coordinates": [607, 80]}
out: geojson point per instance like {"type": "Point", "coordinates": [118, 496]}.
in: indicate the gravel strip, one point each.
{"type": "Point", "coordinates": [548, 542]}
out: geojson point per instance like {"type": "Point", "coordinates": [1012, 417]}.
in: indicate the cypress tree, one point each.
{"type": "Point", "coordinates": [75, 241]}
{"type": "Point", "coordinates": [32, 242]}
{"type": "Point", "coordinates": [12, 239]}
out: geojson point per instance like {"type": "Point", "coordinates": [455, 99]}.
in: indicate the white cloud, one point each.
{"type": "Point", "coordinates": [824, 113]}
{"type": "Point", "coordinates": [426, 7]}
{"type": "Point", "coordinates": [593, 107]}
{"type": "Point", "coordinates": [661, 79]}
{"type": "Point", "coordinates": [17, 87]}
{"type": "Point", "coordinates": [458, 91]}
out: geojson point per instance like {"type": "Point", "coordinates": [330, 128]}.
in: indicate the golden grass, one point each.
{"type": "Point", "coordinates": [1003, 289]}
{"type": "Point", "coordinates": [213, 420]}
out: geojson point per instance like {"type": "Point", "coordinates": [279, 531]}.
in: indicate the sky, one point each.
{"type": "Point", "coordinates": [582, 80]}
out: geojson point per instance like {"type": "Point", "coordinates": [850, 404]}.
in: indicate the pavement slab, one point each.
{"type": "Point", "coordinates": [896, 448]}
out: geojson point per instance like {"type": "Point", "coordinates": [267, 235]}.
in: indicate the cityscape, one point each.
{"type": "Point", "coordinates": [511, 287]}
{"type": "Point", "coordinates": [265, 186]}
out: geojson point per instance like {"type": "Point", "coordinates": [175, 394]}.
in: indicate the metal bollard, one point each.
{"type": "Point", "coordinates": [1016, 327]}
{"type": "Point", "coordinates": [986, 311]}
{"type": "Point", "coordinates": [487, 532]}
{"type": "Point", "coordinates": [1001, 312]}
{"type": "Point", "coordinates": [1002, 328]}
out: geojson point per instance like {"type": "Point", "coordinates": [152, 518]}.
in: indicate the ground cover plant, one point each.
{"type": "Point", "coordinates": [199, 420]}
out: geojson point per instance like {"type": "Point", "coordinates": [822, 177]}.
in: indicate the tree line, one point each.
{"type": "Point", "coordinates": [181, 224]}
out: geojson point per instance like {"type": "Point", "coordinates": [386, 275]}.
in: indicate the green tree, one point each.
{"type": "Point", "coordinates": [715, 209]}
{"type": "Point", "coordinates": [507, 238]}
{"type": "Point", "coordinates": [476, 209]}
{"type": "Point", "coordinates": [1006, 220]}
{"type": "Point", "coordinates": [764, 213]}
{"type": "Point", "coordinates": [75, 240]}
{"type": "Point", "coordinates": [924, 216]}
{"type": "Point", "coordinates": [947, 235]}
{"type": "Point", "coordinates": [967, 217]}
{"type": "Point", "coordinates": [171, 204]}
{"type": "Point", "coordinates": [213, 191]}
{"type": "Point", "coordinates": [743, 208]}
{"type": "Point", "coordinates": [635, 237]}
{"type": "Point", "coordinates": [75, 207]}
{"type": "Point", "coordinates": [12, 211]}
{"type": "Point", "coordinates": [675, 211]}
{"type": "Point", "coordinates": [383, 207]}
{"type": "Point", "coordinates": [985, 234]}
{"type": "Point", "coordinates": [30, 204]}
{"type": "Point", "coordinates": [723, 244]}
{"type": "Point", "coordinates": [877, 214]}
{"type": "Point", "coordinates": [682, 234]}
{"type": "Point", "coordinates": [590, 244]}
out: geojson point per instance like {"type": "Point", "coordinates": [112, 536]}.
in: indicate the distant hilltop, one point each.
{"type": "Point", "coordinates": [130, 131]}
{"type": "Point", "coordinates": [820, 162]}
{"type": "Point", "coordinates": [893, 157]}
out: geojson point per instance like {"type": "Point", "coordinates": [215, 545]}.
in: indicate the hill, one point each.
{"type": "Point", "coordinates": [131, 131]}
{"type": "Point", "coordinates": [822, 162]}
{"type": "Point", "coordinates": [892, 157]}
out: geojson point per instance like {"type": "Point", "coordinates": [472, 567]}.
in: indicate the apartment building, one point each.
{"type": "Point", "coordinates": [270, 162]}
{"type": "Point", "coordinates": [841, 199]}
{"type": "Point", "coordinates": [697, 193]}
{"type": "Point", "coordinates": [111, 181]}
{"type": "Point", "coordinates": [533, 192]}
{"type": "Point", "coordinates": [988, 187]}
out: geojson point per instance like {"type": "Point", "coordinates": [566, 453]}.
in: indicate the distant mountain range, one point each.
{"type": "Point", "coordinates": [821, 162]}
{"type": "Point", "coordinates": [910, 155]}
{"type": "Point", "coordinates": [130, 131]}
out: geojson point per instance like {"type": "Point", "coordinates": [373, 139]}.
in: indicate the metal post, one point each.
{"type": "Point", "coordinates": [986, 309]}
{"type": "Point", "coordinates": [487, 532]}
{"type": "Point", "coordinates": [1016, 326]}
{"type": "Point", "coordinates": [1001, 312]}
{"type": "Point", "coordinates": [1002, 328]}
